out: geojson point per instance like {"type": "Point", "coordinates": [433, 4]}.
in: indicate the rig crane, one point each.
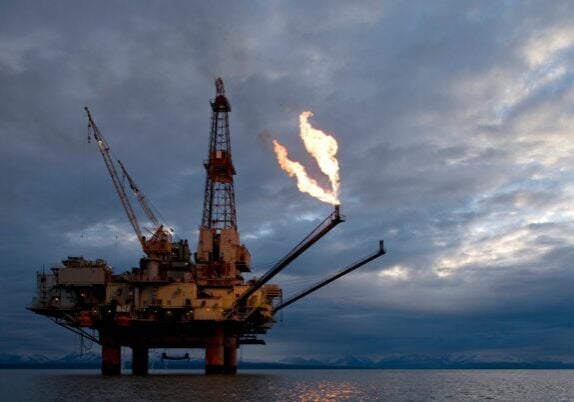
{"type": "Point", "coordinates": [160, 243]}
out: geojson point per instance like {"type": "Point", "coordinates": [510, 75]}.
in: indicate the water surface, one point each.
{"type": "Point", "coordinates": [290, 385]}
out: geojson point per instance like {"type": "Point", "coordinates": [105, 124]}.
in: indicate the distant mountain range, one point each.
{"type": "Point", "coordinates": [74, 360]}
{"type": "Point", "coordinates": [92, 360]}
{"type": "Point", "coordinates": [426, 362]}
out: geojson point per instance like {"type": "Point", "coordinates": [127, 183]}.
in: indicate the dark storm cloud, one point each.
{"type": "Point", "coordinates": [453, 120]}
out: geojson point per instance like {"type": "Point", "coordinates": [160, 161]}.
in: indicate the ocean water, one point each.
{"type": "Point", "coordinates": [290, 385]}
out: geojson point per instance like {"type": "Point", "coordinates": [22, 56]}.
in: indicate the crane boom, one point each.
{"type": "Point", "coordinates": [105, 151]}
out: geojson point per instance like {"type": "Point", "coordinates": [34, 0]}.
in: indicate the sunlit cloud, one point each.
{"type": "Point", "coordinates": [543, 45]}
{"type": "Point", "coordinates": [510, 242]}
{"type": "Point", "coordinates": [396, 272]}
{"type": "Point", "coordinates": [509, 248]}
{"type": "Point", "coordinates": [260, 233]}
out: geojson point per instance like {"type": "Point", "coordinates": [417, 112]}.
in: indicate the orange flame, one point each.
{"type": "Point", "coordinates": [323, 148]}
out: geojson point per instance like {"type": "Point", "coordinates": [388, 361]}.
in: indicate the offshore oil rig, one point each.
{"type": "Point", "coordinates": [176, 298]}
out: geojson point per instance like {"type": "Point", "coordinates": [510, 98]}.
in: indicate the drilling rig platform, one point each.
{"type": "Point", "coordinates": [176, 298]}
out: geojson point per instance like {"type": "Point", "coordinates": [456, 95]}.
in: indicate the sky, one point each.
{"type": "Point", "coordinates": [453, 120]}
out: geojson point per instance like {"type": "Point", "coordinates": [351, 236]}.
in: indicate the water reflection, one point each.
{"type": "Point", "coordinates": [327, 391]}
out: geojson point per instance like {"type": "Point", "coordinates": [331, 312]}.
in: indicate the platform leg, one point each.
{"type": "Point", "coordinates": [111, 357]}
{"type": "Point", "coordinates": [140, 360]}
{"type": "Point", "coordinates": [214, 360]}
{"type": "Point", "coordinates": [230, 355]}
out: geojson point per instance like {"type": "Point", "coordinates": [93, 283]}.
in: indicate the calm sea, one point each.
{"type": "Point", "coordinates": [291, 385]}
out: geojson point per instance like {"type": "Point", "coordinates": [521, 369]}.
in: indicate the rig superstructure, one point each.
{"type": "Point", "coordinates": [176, 298]}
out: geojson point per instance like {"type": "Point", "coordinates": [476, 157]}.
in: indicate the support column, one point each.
{"type": "Point", "coordinates": [214, 361]}
{"type": "Point", "coordinates": [111, 356]}
{"type": "Point", "coordinates": [230, 355]}
{"type": "Point", "coordinates": [140, 360]}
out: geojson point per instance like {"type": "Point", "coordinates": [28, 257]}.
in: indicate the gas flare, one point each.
{"type": "Point", "coordinates": [323, 148]}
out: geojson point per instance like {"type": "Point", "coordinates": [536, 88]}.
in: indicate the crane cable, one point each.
{"type": "Point", "coordinates": [83, 190]}
{"type": "Point", "coordinates": [115, 157]}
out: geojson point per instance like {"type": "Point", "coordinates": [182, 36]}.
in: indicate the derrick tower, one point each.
{"type": "Point", "coordinates": [220, 254]}
{"type": "Point", "coordinates": [219, 196]}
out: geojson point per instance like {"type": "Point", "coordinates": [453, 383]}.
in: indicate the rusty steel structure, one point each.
{"type": "Point", "coordinates": [176, 298]}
